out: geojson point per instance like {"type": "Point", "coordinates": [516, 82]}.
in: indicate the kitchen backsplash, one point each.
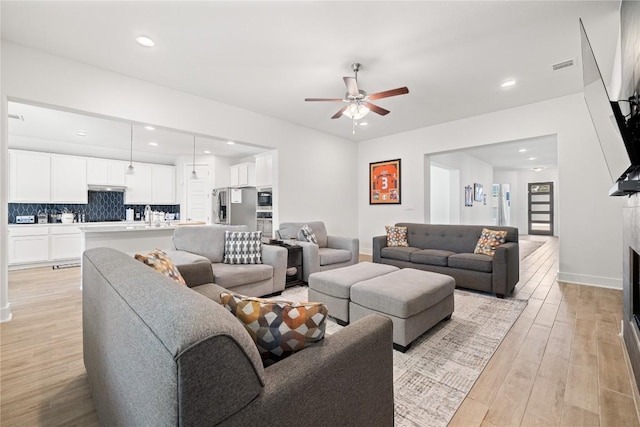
{"type": "Point", "coordinates": [102, 206]}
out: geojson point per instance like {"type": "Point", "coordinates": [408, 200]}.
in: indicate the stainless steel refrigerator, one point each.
{"type": "Point", "coordinates": [235, 206]}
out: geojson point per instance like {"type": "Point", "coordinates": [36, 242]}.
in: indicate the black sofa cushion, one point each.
{"type": "Point", "coordinates": [475, 262]}
{"type": "Point", "coordinates": [398, 252]}
{"type": "Point", "coordinates": [431, 257]}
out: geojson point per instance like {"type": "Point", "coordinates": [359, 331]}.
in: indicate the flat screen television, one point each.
{"type": "Point", "coordinates": [614, 131]}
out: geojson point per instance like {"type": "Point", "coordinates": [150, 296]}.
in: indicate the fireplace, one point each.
{"type": "Point", "coordinates": [631, 282]}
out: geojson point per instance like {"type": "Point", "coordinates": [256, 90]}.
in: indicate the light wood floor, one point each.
{"type": "Point", "coordinates": [562, 363]}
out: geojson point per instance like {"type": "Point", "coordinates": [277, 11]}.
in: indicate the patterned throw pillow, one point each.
{"type": "Point", "coordinates": [162, 263]}
{"type": "Point", "coordinates": [279, 328]}
{"type": "Point", "coordinates": [489, 241]}
{"type": "Point", "coordinates": [242, 247]}
{"type": "Point", "coordinates": [396, 236]}
{"type": "Point", "coordinates": [308, 234]}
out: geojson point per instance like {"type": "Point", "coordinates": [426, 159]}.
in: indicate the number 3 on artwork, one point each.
{"type": "Point", "coordinates": [385, 183]}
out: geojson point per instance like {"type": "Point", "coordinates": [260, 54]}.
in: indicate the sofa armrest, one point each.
{"type": "Point", "coordinates": [310, 259]}
{"type": "Point", "coordinates": [352, 244]}
{"type": "Point", "coordinates": [379, 242]}
{"type": "Point", "coordinates": [506, 268]}
{"type": "Point", "coordinates": [196, 274]}
{"type": "Point", "coordinates": [355, 365]}
{"type": "Point", "coordinates": [276, 256]}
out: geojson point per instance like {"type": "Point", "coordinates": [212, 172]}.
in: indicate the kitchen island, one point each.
{"type": "Point", "coordinates": [128, 238]}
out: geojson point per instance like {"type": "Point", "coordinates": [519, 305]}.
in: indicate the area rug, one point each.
{"type": "Point", "coordinates": [527, 247]}
{"type": "Point", "coordinates": [434, 376]}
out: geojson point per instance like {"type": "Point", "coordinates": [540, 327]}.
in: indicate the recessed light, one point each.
{"type": "Point", "coordinates": [363, 123]}
{"type": "Point", "coordinates": [81, 133]}
{"type": "Point", "coordinates": [207, 152]}
{"type": "Point", "coordinates": [508, 83]}
{"type": "Point", "coordinates": [532, 158]}
{"type": "Point", "coordinates": [149, 128]}
{"type": "Point", "coordinates": [230, 143]}
{"type": "Point", "coordinates": [522, 150]}
{"type": "Point", "coordinates": [145, 41]}
{"type": "Point", "coordinates": [153, 144]}
{"type": "Point", "coordinates": [537, 169]}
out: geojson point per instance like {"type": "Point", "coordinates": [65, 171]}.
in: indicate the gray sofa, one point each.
{"type": "Point", "coordinates": [158, 353]}
{"type": "Point", "coordinates": [330, 252]}
{"type": "Point", "coordinates": [448, 249]}
{"type": "Point", "coordinates": [205, 244]}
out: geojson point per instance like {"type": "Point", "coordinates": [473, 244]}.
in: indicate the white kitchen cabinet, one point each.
{"type": "Point", "coordinates": [68, 179]}
{"type": "Point", "coordinates": [264, 170]}
{"type": "Point", "coordinates": [28, 244]}
{"type": "Point", "coordinates": [29, 177]}
{"type": "Point", "coordinates": [163, 185]}
{"type": "Point", "coordinates": [139, 185]}
{"type": "Point", "coordinates": [243, 175]}
{"type": "Point", "coordinates": [106, 172]}
{"type": "Point", "coordinates": [65, 242]}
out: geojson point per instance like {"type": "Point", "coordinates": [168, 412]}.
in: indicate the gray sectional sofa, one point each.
{"type": "Point", "coordinates": [158, 353]}
{"type": "Point", "coordinates": [205, 244]}
{"type": "Point", "coordinates": [448, 249]}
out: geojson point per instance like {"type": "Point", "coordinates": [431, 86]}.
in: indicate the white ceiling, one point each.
{"type": "Point", "coordinates": [268, 56]}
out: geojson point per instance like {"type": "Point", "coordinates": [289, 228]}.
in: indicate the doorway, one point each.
{"type": "Point", "coordinates": [540, 208]}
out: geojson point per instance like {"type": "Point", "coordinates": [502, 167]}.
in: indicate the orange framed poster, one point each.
{"type": "Point", "coordinates": [384, 182]}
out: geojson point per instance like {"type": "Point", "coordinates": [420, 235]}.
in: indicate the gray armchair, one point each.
{"type": "Point", "coordinates": [330, 252]}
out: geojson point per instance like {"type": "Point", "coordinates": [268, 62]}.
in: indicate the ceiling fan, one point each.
{"type": "Point", "coordinates": [357, 100]}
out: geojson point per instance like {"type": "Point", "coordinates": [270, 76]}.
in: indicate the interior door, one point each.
{"type": "Point", "coordinates": [198, 194]}
{"type": "Point", "coordinates": [540, 208]}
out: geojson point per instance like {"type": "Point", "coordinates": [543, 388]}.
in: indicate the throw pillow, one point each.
{"type": "Point", "coordinates": [308, 234]}
{"type": "Point", "coordinates": [243, 247]}
{"type": "Point", "coordinates": [162, 263]}
{"type": "Point", "coordinates": [279, 328]}
{"type": "Point", "coordinates": [396, 236]}
{"type": "Point", "coordinates": [489, 241]}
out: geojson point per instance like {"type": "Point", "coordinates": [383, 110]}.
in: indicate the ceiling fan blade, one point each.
{"type": "Point", "coordinates": [377, 109]}
{"type": "Point", "coordinates": [388, 93]}
{"type": "Point", "coordinates": [324, 99]}
{"type": "Point", "coordinates": [339, 113]}
{"type": "Point", "coordinates": [352, 86]}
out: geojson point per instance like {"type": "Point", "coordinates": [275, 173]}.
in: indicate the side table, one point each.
{"type": "Point", "coordinates": [294, 259]}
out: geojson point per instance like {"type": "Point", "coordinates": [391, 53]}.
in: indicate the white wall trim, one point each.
{"type": "Point", "coordinates": [5, 313]}
{"type": "Point", "coordinates": [584, 279]}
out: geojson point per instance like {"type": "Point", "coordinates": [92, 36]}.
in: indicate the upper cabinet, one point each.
{"type": "Point", "coordinates": [69, 179]}
{"type": "Point", "coordinates": [46, 178]}
{"type": "Point", "coordinates": [264, 170]}
{"type": "Point", "coordinates": [106, 172]}
{"type": "Point", "coordinates": [29, 177]}
{"type": "Point", "coordinates": [151, 185]}
{"type": "Point", "coordinates": [243, 175]}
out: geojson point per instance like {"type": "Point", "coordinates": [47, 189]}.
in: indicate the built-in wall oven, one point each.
{"type": "Point", "coordinates": [264, 199]}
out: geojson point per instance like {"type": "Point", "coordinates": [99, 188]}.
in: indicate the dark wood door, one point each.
{"type": "Point", "coordinates": [540, 208]}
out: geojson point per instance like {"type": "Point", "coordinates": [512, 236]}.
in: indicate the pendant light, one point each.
{"type": "Point", "coordinates": [193, 171]}
{"type": "Point", "coordinates": [130, 170]}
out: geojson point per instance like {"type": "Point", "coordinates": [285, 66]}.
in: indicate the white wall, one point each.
{"type": "Point", "coordinates": [591, 243]}
{"type": "Point", "coordinates": [315, 170]}
{"type": "Point", "coordinates": [440, 190]}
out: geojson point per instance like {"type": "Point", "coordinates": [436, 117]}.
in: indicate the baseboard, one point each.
{"type": "Point", "coordinates": [5, 313]}
{"type": "Point", "coordinates": [583, 279]}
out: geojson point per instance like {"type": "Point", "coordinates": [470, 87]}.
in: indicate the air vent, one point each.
{"type": "Point", "coordinates": [564, 64]}
{"type": "Point", "coordinates": [17, 117]}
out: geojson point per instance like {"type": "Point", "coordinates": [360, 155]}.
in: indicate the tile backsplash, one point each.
{"type": "Point", "coordinates": [102, 206]}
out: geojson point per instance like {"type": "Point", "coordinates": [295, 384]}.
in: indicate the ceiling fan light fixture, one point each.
{"type": "Point", "coordinates": [356, 111]}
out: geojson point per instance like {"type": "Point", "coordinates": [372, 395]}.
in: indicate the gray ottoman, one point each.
{"type": "Point", "coordinates": [332, 287]}
{"type": "Point", "coordinates": [415, 300]}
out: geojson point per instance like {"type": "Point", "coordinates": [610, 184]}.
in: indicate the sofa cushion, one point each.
{"type": "Point", "coordinates": [243, 247]}
{"type": "Point", "coordinates": [330, 256]}
{"type": "Point", "coordinates": [475, 262]}
{"type": "Point", "coordinates": [308, 235]}
{"type": "Point", "coordinates": [184, 257]}
{"type": "Point", "coordinates": [396, 236]}
{"type": "Point", "coordinates": [279, 328]}
{"type": "Point", "coordinates": [210, 290]}
{"type": "Point", "coordinates": [231, 275]}
{"type": "Point", "coordinates": [159, 261]}
{"type": "Point", "coordinates": [431, 257]}
{"type": "Point", "coordinates": [398, 253]}
{"type": "Point", "coordinates": [204, 240]}
{"type": "Point", "coordinates": [489, 240]}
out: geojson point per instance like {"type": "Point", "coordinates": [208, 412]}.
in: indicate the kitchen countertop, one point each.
{"type": "Point", "coordinates": [111, 227]}
{"type": "Point", "coordinates": [89, 224]}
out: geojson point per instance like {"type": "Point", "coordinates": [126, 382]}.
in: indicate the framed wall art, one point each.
{"type": "Point", "coordinates": [478, 192]}
{"type": "Point", "coordinates": [468, 195]}
{"type": "Point", "coordinates": [384, 182]}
